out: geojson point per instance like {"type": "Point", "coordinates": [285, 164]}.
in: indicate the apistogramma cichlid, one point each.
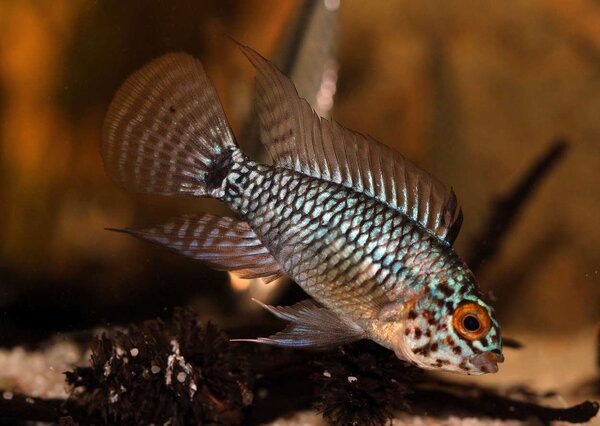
{"type": "Point", "coordinates": [362, 230]}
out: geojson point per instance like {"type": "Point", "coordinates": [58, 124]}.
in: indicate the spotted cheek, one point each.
{"type": "Point", "coordinates": [447, 353]}
{"type": "Point", "coordinates": [417, 331]}
{"type": "Point", "coordinates": [428, 348]}
{"type": "Point", "coordinates": [450, 352]}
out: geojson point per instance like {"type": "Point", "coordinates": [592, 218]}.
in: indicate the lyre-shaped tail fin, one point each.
{"type": "Point", "coordinates": [165, 131]}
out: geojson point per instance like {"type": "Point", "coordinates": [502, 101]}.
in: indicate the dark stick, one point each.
{"type": "Point", "coordinates": [292, 41]}
{"type": "Point", "coordinates": [22, 408]}
{"type": "Point", "coordinates": [596, 386]}
{"type": "Point", "coordinates": [598, 347]}
{"type": "Point", "coordinates": [286, 57]}
{"type": "Point", "coordinates": [488, 404]}
{"type": "Point", "coordinates": [506, 208]}
{"type": "Point", "coordinates": [509, 342]}
{"type": "Point", "coordinates": [428, 397]}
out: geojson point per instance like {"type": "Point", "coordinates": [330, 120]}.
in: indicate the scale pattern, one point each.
{"type": "Point", "coordinates": [349, 251]}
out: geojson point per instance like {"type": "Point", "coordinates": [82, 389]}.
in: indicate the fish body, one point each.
{"type": "Point", "coordinates": [364, 232]}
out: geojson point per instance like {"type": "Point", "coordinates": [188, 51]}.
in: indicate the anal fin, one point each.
{"type": "Point", "coordinates": [223, 243]}
{"type": "Point", "coordinates": [310, 326]}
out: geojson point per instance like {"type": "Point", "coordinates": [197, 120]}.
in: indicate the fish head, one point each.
{"type": "Point", "coordinates": [457, 334]}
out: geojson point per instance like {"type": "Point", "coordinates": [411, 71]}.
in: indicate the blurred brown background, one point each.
{"type": "Point", "coordinates": [473, 91]}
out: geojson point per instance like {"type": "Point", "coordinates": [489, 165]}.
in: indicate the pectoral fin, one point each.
{"type": "Point", "coordinates": [311, 326]}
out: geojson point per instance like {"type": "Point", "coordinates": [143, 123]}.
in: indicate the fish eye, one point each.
{"type": "Point", "coordinates": [471, 321]}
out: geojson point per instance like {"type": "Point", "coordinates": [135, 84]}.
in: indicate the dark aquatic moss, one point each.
{"type": "Point", "coordinates": [363, 384]}
{"type": "Point", "coordinates": [158, 372]}
{"type": "Point", "coordinates": [181, 373]}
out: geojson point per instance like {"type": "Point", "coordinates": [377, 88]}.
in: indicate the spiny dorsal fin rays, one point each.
{"type": "Point", "coordinates": [223, 243]}
{"type": "Point", "coordinates": [310, 326]}
{"type": "Point", "coordinates": [298, 139]}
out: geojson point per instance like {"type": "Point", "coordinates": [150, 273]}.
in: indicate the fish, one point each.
{"type": "Point", "coordinates": [366, 234]}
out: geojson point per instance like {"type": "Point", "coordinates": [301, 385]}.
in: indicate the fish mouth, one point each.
{"type": "Point", "coordinates": [487, 362]}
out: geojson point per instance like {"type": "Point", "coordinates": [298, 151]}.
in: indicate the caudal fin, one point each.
{"type": "Point", "coordinates": [165, 131]}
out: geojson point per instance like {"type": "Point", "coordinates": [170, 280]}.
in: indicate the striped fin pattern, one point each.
{"type": "Point", "coordinates": [223, 243]}
{"type": "Point", "coordinates": [310, 326]}
{"type": "Point", "coordinates": [165, 129]}
{"type": "Point", "coordinates": [297, 138]}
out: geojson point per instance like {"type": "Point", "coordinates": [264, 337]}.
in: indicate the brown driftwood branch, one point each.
{"type": "Point", "coordinates": [506, 209]}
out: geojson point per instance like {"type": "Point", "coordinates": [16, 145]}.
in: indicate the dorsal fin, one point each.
{"type": "Point", "coordinates": [297, 138]}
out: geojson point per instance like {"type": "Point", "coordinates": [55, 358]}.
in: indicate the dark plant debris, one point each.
{"type": "Point", "coordinates": [182, 373]}
{"type": "Point", "coordinates": [160, 371]}
{"type": "Point", "coordinates": [367, 378]}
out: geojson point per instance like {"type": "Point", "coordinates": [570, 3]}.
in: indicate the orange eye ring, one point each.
{"type": "Point", "coordinates": [471, 321]}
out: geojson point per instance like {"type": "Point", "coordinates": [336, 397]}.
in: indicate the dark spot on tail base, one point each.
{"type": "Point", "coordinates": [219, 169]}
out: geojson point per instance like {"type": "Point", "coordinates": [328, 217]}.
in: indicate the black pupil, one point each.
{"type": "Point", "coordinates": [471, 323]}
